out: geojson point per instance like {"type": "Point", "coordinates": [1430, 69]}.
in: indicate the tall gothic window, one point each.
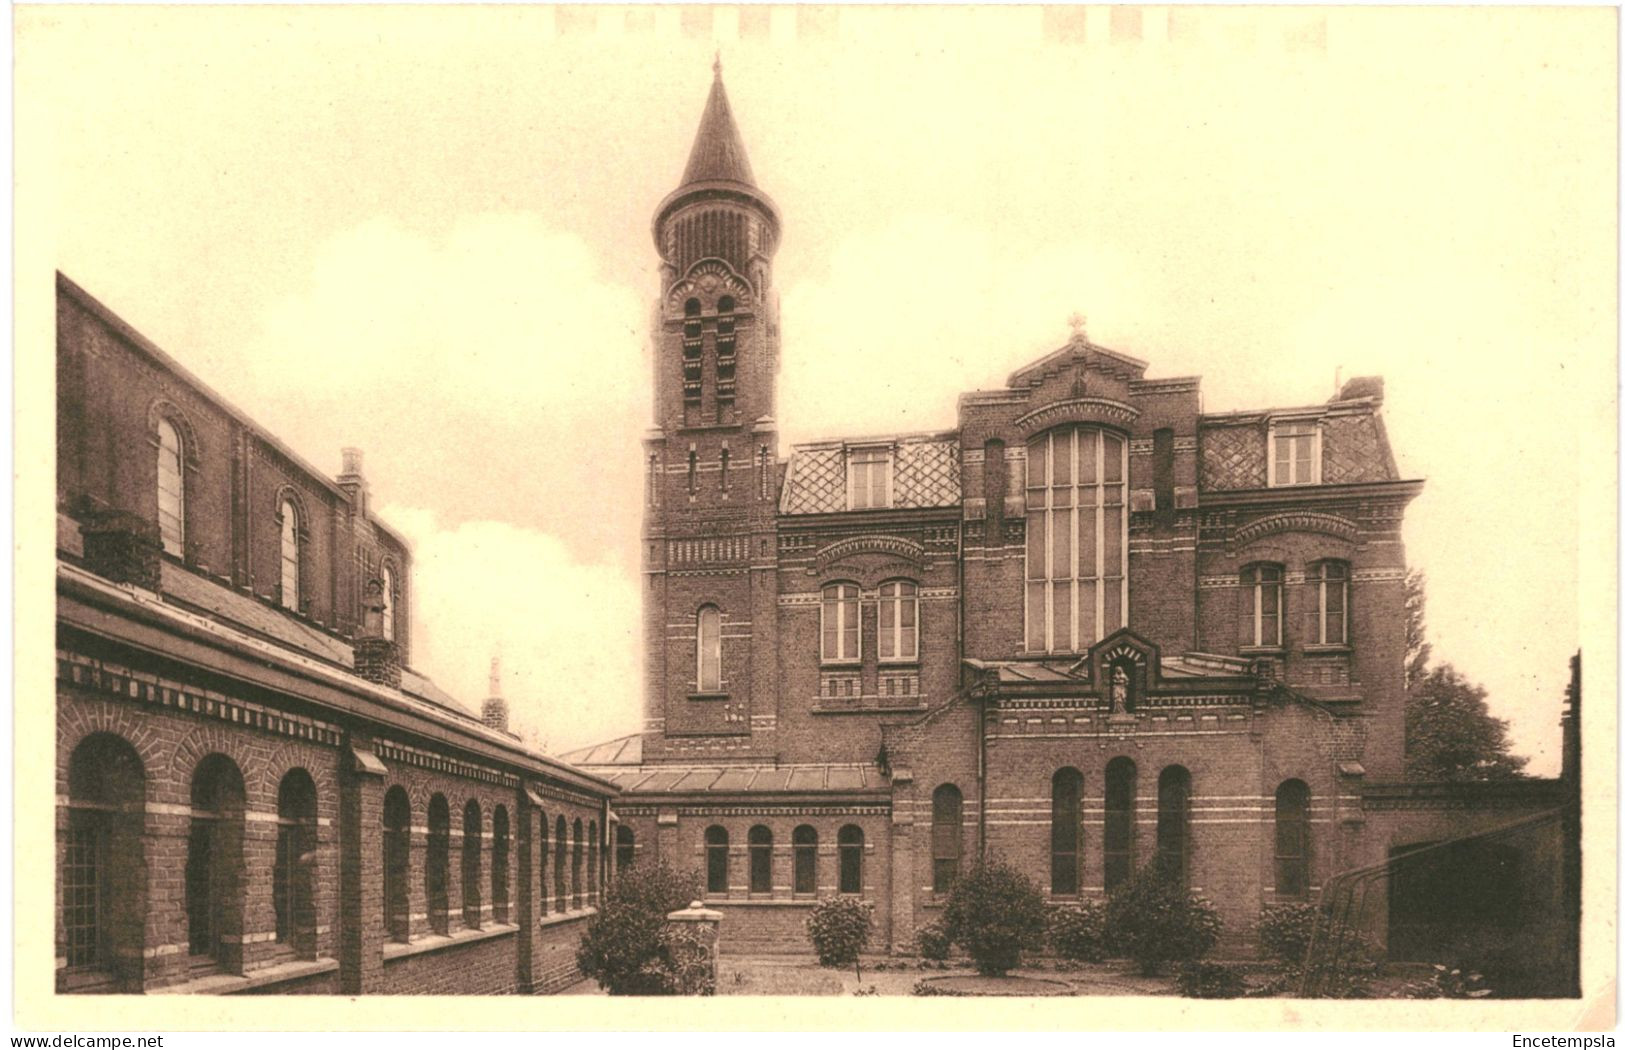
{"type": "Point", "coordinates": [947, 820]}
{"type": "Point", "coordinates": [708, 649]}
{"type": "Point", "coordinates": [592, 862]}
{"type": "Point", "coordinates": [293, 877]}
{"type": "Point", "coordinates": [473, 832]}
{"type": "Point", "coordinates": [214, 859]}
{"type": "Point", "coordinates": [1174, 822]}
{"type": "Point", "coordinates": [1261, 589]}
{"type": "Point", "coordinates": [171, 489]}
{"type": "Point", "coordinates": [899, 620]}
{"type": "Point", "coordinates": [759, 842]}
{"type": "Point", "coordinates": [1332, 619]}
{"type": "Point", "coordinates": [804, 844]}
{"type": "Point", "coordinates": [437, 864]}
{"type": "Point", "coordinates": [1077, 538]}
{"type": "Point", "coordinates": [626, 848]}
{"type": "Point", "coordinates": [1292, 839]}
{"type": "Point", "coordinates": [561, 857]}
{"type": "Point", "coordinates": [397, 864]}
{"type": "Point", "coordinates": [1119, 831]}
{"type": "Point", "coordinates": [499, 864]}
{"type": "Point", "coordinates": [716, 859]}
{"type": "Point", "coordinates": [542, 895]}
{"type": "Point", "coordinates": [839, 624]}
{"type": "Point", "coordinates": [576, 845]}
{"type": "Point", "coordinates": [1065, 830]}
{"type": "Point", "coordinates": [290, 555]}
{"type": "Point", "coordinates": [849, 843]}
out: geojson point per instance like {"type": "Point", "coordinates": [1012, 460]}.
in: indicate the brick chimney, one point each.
{"type": "Point", "coordinates": [352, 481]}
{"type": "Point", "coordinates": [494, 712]}
{"type": "Point", "coordinates": [122, 547]}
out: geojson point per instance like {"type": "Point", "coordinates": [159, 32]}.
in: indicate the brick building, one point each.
{"type": "Point", "coordinates": [255, 790]}
{"type": "Point", "coordinates": [1088, 625]}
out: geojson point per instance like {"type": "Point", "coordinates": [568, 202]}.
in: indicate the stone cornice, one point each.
{"type": "Point", "coordinates": [1077, 410]}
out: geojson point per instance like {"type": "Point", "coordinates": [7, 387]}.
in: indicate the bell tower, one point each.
{"type": "Point", "coordinates": [711, 459]}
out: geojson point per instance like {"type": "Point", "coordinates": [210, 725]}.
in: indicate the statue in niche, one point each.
{"type": "Point", "coordinates": [372, 610]}
{"type": "Point", "coordinates": [1119, 690]}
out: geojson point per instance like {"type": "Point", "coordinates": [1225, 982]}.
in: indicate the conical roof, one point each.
{"type": "Point", "coordinates": [718, 153]}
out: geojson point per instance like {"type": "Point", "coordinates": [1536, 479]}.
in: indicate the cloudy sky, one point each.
{"type": "Point", "coordinates": [425, 232]}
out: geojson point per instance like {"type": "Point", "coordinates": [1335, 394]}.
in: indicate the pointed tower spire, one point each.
{"type": "Point", "coordinates": [718, 154]}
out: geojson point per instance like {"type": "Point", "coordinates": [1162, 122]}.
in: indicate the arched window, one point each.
{"type": "Point", "coordinates": [389, 604]}
{"type": "Point", "coordinates": [1119, 837]}
{"type": "Point", "coordinates": [947, 808]}
{"type": "Point", "coordinates": [437, 864]}
{"type": "Point", "coordinates": [804, 844]}
{"type": "Point", "coordinates": [290, 554]}
{"type": "Point", "coordinates": [716, 859]}
{"type": "Point", "coordinates": [103, 863]}
{"type": "Point", "coordinates": [473, 832]}
{"type": "Point", "coordinates": [1261, 593]}
{"type": "Point", "coordinates": [499, 864]}
{"type": "Point", "coordinates": [1332, 615]}
{"type": "Point", "coordinates": [1077, 538]}
{"type": "Point", "coordinates": [625, 848]}
{"type": "Point", "coordinates": [214, 862]}
{"type": "Point", "coordinates": [1292, 839]}
{"type": "Point", "coordinates": [899, 620]}
{"type": "Point", "coordinates": [293, 879]}
{"type": "Point", "coordinates": [849, 842]}
{"type": "Point", "coordinates": [576, 846]}
{"type": "Point", "coordinates": [1174, 823]}
{"type": "Point", "coordinates": [171, 489]}
{"type": "Point", "coordinates": [541, 864]}
{"type": "Point", "coordinates": [839, 617]}
{"type": "Point", "coordinates": [1065, 830]}
{"type": "Point", "coordinates": [708, 655]}
{"type": "Point", "coordinates": [760, 844]}
{"type": "Point", "coordinates": [397, 864]}
{"type": "Point", "coordinates": [592, 862]}
{"type": "Point", "coordinates": [561, 850]}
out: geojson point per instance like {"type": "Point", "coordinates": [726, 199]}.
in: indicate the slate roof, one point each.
{"type": "Point", "coordinates": [727, 780]}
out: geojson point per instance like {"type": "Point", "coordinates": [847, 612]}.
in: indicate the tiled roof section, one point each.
{"type": "Point", "coordinates": [222, 603]}
{"type": "Point", "coordinates": [718, 152]}
{"type": "Point", "coordinates": [753, 780]}
{"type": "Point", "coordinates": [622, 751]}
{"type": "Point", "coordinates": [925, 473]}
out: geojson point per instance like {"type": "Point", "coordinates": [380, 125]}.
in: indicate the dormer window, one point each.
{"type": "Point", "coordinates": [868, 478]}
{"type": "Point", "coordinates": [1294, 453]}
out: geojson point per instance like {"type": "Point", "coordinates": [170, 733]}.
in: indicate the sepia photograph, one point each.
{"type": "Point", "coordinates": [1104, 505]}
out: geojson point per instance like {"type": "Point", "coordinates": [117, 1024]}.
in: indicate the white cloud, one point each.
{"type": "Point", "coordinates": [568, 631]}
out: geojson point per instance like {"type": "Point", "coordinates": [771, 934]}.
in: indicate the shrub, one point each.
{"type": "Point", "coordinates": [839, 929]}
{"type": "Point", "coordinates": [1446, 982]}
{"type": "Point", "coordinates": [933, 941]}
{"type": "Point", "coordinates": [925, 987]}
{"type": "Point", "coordinates": [1285, 931]}
{"type": "Point", "coordinates": [1207, 980]}
{"type": "Point", "coordinates": [995, 913]}
{"type": "Point", "coordinates": [1079, 933]}
{"type": "Point", "coordinates": [627, 948]}
{"type": "Point", "coordinates": [1152, 920]}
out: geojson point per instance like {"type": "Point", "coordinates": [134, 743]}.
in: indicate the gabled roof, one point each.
{"type": "Point", "coordinates": [718, 153]}
{"type": "Point", "coordinates": [622, 751]}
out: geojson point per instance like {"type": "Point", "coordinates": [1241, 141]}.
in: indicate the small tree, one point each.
{"type": "Point", "coordinates": [995, 913]}
{"type": "Point", "coordinates": [1285, 931]}
{"type": "Point", "coordinates": [933, 941]}
{"type": "Point", "coordinates": [839, 928]}
{"type": "Point", "coordinates": [626, 947]}
{"type": "Point", "coordinates": [1152, 920]}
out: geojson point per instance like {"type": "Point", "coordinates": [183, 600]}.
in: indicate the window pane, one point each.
{"type": "Point", "coordinates": [1087, 452]}
{"type": "Point", "coordinates": [1035, 616]}
{"type": "Point", "coordinates": [1036, 548]}
{"type": "Point", "coordinates": [1037, 460]}
{"type": "Point", "coordinates": [1061, 452]}
{"type": "Point", "coordinates": [1112, 457]}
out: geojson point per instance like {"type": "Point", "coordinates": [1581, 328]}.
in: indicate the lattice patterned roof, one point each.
{"type": "Point", "coordinates": [925, 473]}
